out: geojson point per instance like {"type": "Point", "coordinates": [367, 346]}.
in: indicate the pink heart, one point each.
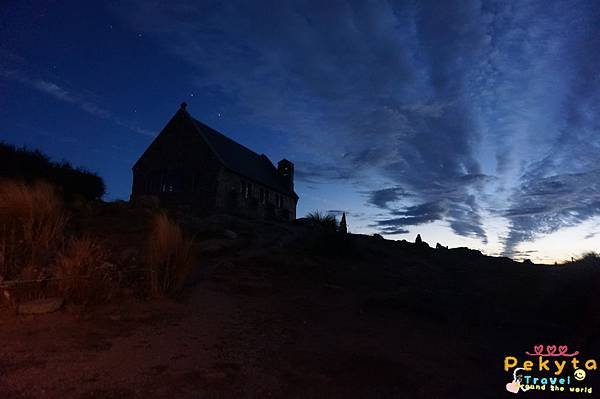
{"type": "Point", "coordinates": [513, 387]}
{"type": "Point", "coordinates": [551, 349]}
{"type": "Point", "coordinates": [563, 349]}
{"type": "Point", "coordinates": [538, 349]}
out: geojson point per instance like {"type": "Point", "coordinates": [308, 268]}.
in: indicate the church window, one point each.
{"type": "Point", "coordinates": [246, 189]}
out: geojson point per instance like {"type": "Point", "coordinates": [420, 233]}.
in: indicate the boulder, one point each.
{"type": "Point", "coordinates": [128, 255]}
{"type": "Point", "coordinates": [232, 235]}
{"type": "Point", "coordinates": [9, 290]}
{"type": "Point", "coordinates": [215, 377]}
{"type": "Point", "coordinates": [255, 287]}
{"type": "Point", "coordinates": [418, 240]}
{"type": "Point", "coordinates": [6, 294]}
{"type": "Point", "coordinates": [216, 246]}
{"type": "Point", "coordinates": [41, 306]}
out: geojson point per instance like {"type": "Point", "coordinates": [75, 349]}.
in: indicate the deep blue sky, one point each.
{"type": "Point", "coordinates": [471, 122]}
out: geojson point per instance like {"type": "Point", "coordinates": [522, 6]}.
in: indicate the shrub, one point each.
{"type": "Point", "coordinates": [21, 163]}
{"type": "Point", "coordinates": [168, 256]}
{"type": "Point", "coordinates": [589, 258]}
{"type": "Point", "coordinates": [84, 276]}
{"type": "Point", "coordinates": [32, 222]}
{"type": "Point", "coordinates": [324, 240]}
{"type": "Point", "coordinates": [325, 221]}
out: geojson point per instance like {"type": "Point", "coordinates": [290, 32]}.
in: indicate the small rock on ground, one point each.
{"type": "Point", "coordinates": [41, 306]}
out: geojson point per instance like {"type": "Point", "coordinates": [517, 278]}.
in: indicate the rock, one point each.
{"type": "Point", "coordinates": [422, 245]}
{"type": "Point", "coordinates": [216, 246]}
{"type": "Point", "coordinates": [41, 306]}
{"type": "Point", "coordinates": [8, 291]}
{"type": "Point", "coordinates": [220, 373]}
{"type": "Point", "coordinates": [215, 376]}
{"type": "Point", "coordinates": [418, 240]}
{"type": "Point", "coordinates": [128, 255]}
{"type": "Point", "coordinates": [232, 235]}
{"type": "Point", "coordinates": [255, 287]}
{"type": "Point", "coordinates": [6, 294]}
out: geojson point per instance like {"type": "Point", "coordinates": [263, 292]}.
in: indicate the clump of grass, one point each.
{"type": "Point", "coordinates": [169, 257]}
{"type": "Point", "coordinates": [589, 258]}
{"type": "Point", "coordinates": [325, 221]}
{"type": "Point", "coordinates": [324, 238]}
{"type": "Point", "coordinates": [32, 223]}
{"type": "Point", "coordinates": [84, 275]}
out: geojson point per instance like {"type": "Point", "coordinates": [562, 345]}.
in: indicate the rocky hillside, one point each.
{"type": "Point", "coordinates": [295, 311]}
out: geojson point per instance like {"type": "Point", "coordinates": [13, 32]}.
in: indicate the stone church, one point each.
{"type": "Point", "coordinates": [194, 168]}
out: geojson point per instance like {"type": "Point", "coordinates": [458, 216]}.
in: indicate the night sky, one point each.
{"type": "Point", "coordinates": [473, 123]}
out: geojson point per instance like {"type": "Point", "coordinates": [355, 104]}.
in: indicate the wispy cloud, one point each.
{"type": "Point", "coordinates": [463, 108]}
{"type": "Point", "coordinates": [592, 235]}
{"type": "Point", "coordinates": [545, 205]}
{"type": "Point", "coordinates": [382, 198]}
{"type": "Point", "coordinates": [71, 97]}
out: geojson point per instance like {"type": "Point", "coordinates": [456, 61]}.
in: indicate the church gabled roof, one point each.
{"type": "Point", "coordinates": [242, 160]}
{"type": "Point", "coordinates": [234, 156]}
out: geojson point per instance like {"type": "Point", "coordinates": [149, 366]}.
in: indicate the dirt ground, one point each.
{"type": "Point", "coordinates": [226, 340]}
{"type": "Point", "coordinates": [266, 327]}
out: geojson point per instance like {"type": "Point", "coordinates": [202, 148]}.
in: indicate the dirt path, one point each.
{"type": "Point", "coordinates": [242, 333]}
{"type": "Point", "coordinates": [124, 351]}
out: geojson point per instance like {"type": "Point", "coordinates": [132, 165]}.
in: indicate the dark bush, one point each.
{"type": "Point", "coordinates": [323, 239]}
{"type": "Point", "coordinates": [589, 259]}
{"type": "Point", "coordinates": [326, 222]}
{"type": "Point", "coordinates": [32, 165]}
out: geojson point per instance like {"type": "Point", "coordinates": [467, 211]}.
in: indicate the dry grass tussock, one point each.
{"type": "Point", "coordinates": [84, 275]}
{"type": "Point", "coordinates": [168, 256]}
{"type": "Point", "coordinates": [589, 259]}
{"type": "Point", "coordinates": [325, 221]}
{"type": "Point", "coordinates": [32, 223]}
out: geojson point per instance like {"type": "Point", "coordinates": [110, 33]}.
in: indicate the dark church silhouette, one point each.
{"type": "Point", "coordinates": [192, 167]}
